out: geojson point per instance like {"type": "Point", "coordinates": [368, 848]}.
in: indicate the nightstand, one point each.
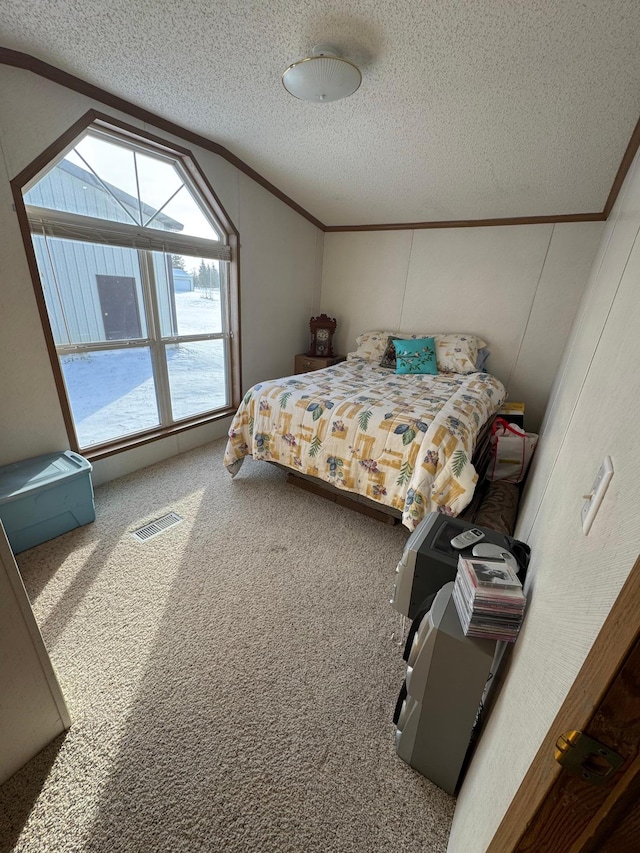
{"type": "Point", "coordinates": [307, 363]}
{"type": "Point", "coordinates": [512, 412]}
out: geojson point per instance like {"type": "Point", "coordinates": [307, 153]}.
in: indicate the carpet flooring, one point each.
{"type": "Point", "coordinates": [231, 681]}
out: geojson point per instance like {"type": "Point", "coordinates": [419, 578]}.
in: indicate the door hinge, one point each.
{"type": "Point", "coordinates": [590, 759]}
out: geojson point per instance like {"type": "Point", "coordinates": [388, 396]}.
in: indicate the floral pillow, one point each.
{"type": "Point", "coordinates": [370, 346]}
{"type": "Point", "coordinates": [455, 352]}
{"type": "Point", "coordinates": [458, 353]}
{"type": "Point", "coordinates": [417, 355]}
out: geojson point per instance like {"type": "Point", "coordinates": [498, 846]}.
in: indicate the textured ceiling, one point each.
{"type": "Point", "coordinates": [467, 109]}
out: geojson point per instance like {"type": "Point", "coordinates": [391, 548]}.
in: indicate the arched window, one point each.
{"type": "Point", "coordinates": [134, 263]}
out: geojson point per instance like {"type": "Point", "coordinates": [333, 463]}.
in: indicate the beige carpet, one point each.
{"type": "Point", "coordinates": [231, 681]}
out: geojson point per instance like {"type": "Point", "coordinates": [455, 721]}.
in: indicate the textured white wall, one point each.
{"type": "Point", "coordinates": [279, 271]}
{"type": "Point", "coordinates": [573, 579]}
{"type": "Point", "coordinates": [277, 268]}
{"type": "Point", "coordinates": [516, 286]}
{"type": "Point", "coordinates": [30, 417]}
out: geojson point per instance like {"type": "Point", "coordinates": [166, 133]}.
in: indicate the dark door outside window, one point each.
{"type": "Point", "coordinates": [119, 307]}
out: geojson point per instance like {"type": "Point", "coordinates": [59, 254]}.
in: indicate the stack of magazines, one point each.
{"type": "Point", "coordinates": [489, 599]}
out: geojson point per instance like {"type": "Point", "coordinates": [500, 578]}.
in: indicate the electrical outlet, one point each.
{"type": "Point", "coordinates": [592, 503]}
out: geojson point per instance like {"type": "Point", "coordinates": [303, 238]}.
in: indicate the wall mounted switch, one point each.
{"type": "Point", "coordinates": [594, 499]}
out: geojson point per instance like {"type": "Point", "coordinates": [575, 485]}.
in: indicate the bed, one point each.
{"type": "Point", "coordinates": [404, 441]}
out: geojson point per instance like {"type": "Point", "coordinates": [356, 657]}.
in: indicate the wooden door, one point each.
{"type": "Point", "coordinates": [555, 811]}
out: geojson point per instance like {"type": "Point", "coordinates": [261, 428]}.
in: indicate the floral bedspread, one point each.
{"type": "Point", "coordinates": [404, 441]}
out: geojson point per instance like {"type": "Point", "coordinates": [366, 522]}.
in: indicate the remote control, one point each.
{"type": "Point", "coordinates": [467, 539]}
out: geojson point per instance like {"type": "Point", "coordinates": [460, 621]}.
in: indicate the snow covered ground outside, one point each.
{"type": "Point", "coordinates": [112, 393]}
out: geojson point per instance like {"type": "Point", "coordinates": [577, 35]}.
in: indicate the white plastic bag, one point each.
{"type": "Point", "coordinates": [511, 452]}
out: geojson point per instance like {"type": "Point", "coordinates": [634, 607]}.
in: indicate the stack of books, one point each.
{"type": "Point", "coordinates": [489, 599]}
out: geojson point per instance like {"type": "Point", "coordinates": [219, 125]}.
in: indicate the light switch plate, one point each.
{"type": "Point", "coordinates": [592, 504]}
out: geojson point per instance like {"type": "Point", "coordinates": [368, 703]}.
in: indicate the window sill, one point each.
{"type": "Point", "coordinates": [103, 451]}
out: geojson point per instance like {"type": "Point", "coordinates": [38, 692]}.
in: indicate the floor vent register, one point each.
{"type": "Point", "coordinates": [155, 528]}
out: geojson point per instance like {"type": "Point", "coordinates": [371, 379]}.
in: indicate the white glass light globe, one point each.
{"type": "Point", "coordinates": [322, 78]}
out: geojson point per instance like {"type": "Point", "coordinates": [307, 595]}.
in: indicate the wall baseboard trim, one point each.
{"type": "Point", "coordinates": [25, 61]}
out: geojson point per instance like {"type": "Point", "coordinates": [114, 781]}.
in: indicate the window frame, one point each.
{"type": "Point", "coordinates": [198, 183]}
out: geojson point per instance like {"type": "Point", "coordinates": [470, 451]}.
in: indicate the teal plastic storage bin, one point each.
{"type": "Point", "coordinates": [42, 498]}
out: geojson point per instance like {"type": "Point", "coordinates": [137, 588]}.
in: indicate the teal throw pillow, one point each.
{"type": "Point", "coordinates": [416, 355]}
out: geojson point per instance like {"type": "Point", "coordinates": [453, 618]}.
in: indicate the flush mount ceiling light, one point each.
{"type": "Point", "coordinates": [322, 77]}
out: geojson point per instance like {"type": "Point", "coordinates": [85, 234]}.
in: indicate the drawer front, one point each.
{"type": "Point", "coordinates": [307, 363]}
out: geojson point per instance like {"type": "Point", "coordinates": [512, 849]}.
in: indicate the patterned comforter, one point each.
{"type": "Point", "coordinates": [403, 441]}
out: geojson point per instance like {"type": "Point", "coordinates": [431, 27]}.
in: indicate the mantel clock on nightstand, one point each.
{"type": "Point", "coordinates": [320, 353]}
{"type": "Point", "coordinates": [322, 331]}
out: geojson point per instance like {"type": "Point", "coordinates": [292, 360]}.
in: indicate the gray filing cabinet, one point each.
{"type": "Point", "coordinates": [446, 678]}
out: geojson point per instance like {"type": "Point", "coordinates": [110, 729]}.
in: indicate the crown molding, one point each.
{"type": "Point", "coordinates": [471, 223]}
{"type": "Point", "coordinates": [17, 59]}
{"type": "Point", "coordinates": [621, 174]}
